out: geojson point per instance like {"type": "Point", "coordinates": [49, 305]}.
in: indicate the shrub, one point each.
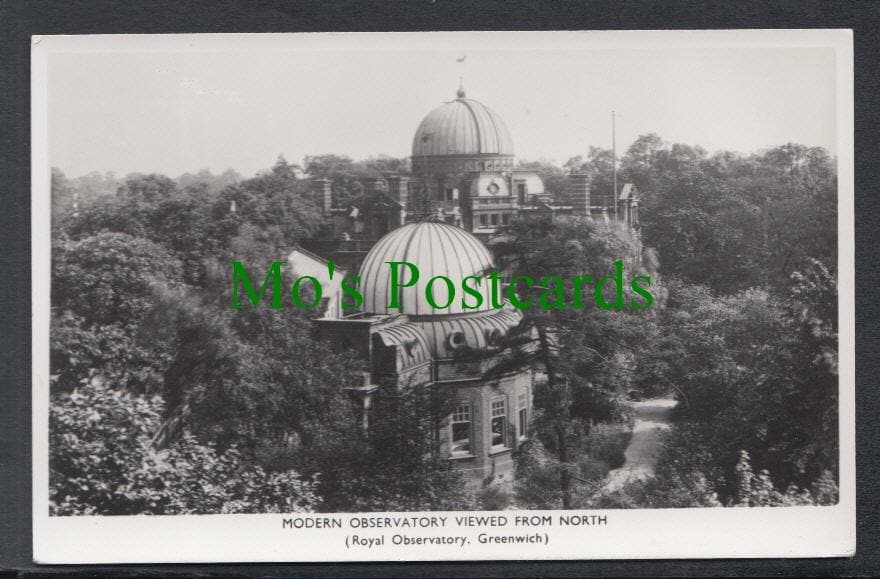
{"type": "Point", "coordinates": [758, 490]}
{"type": "Point", "coordinates": [102, 462]}
{"type": "Point", "coordinates": [671, 490]}
{"type": "Point", "coordinates": [495, 497]}
{"type": "Point", "coordinates": [537, 478]}
{"type": "Point", "coordinates": [607, 442]}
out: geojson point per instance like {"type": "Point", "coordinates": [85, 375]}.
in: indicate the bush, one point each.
{"type": "Point", "coordinates": [677, 483]}
{"type": "Point", "coordinates": [672, 490]}
{"type": "Point", "coordinates": [758, 490]}
{"type": "Point", "coordinates": [537, 478]}
{"type": "Point", "coordinates": [607, 442]}
{"type": "Point", "coordinates": [102, 462]}
{"type": "Point", "coordinates": [495, 497]}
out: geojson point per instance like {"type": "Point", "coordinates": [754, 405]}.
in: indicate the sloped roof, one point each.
{"type": "Point", "coordinates": [415, 347]}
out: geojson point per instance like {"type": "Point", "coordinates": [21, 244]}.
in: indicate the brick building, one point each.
{"type": "Point", "coordinates": [415, 345]}
{"type": "Point", "coordinates": [463, 173]}
{"type": "Point", "coordinates": [463, 187]}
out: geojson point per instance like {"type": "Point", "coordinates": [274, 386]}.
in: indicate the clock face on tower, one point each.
{"type": "Point", "coordinates": [492, 188]}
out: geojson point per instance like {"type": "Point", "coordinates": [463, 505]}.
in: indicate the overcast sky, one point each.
{"type": "Point", "coordinates": [182, 103]}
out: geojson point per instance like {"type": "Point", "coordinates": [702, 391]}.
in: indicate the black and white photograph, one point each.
{"type": "Point", "coordinates": [443, 296]}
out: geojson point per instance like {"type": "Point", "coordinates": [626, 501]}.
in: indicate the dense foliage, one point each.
{"type": "Point", "coordinates": [160, 389]}
{"type": "Point", "coordinates": [742, 250]}
{"type": "Point", "coordinates": [103, 462]}
{"type": "Point", "coordinates": [165, 400]}
{"type": "Point", "coordinates": [398, 466]}
{"type": "Point", "coordinates": [582, 350]}
{"type": "Point", "coordinates": [728, 221]}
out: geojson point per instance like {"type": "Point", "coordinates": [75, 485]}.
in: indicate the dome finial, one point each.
{"type": "Point", "coordinates": [460, 92]}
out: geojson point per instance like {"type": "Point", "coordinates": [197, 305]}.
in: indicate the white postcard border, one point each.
{"type": "Point", "coordinates": [637, 533]}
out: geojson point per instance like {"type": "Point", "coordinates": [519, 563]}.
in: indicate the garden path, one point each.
{"type": "Point", "coordinates": [652, 419]}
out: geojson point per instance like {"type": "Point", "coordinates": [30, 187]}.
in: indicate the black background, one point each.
{"type": "Point", "coordinates": [19, 20]}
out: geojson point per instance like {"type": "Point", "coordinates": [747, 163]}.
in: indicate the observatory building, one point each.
{"type": "Point", "coordinates": [463, 172]}
{"type": "Point", "coordinates": [415, 345]}
{"type": "Point", "coordinates": [463, 186]}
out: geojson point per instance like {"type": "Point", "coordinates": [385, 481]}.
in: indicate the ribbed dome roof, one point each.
{"type": "Point", "coordinates": [436, 249]}
{"type": "Point", "coordinates": [462, 127]}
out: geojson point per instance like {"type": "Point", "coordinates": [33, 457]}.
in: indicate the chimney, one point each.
{"type": "Point", "coordinates": [323, 193]}
{"type": "Point", "coordinates": [577, 193]}
{"type": "Point", "coordinates": [380, 186]}
{"type": "Point", "coordinates": [398, 189]}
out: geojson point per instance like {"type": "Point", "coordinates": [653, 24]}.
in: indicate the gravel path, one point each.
{"type": "Point", "coordinates": [652, 418]}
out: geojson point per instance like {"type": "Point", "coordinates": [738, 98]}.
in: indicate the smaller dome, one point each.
{"type": "Point", "coordinates": [436, 249]}
{"type": "Point", "coordinates": [462, 127]}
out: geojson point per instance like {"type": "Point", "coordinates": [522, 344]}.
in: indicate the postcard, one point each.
{"type": "Point", "coordinates": [443, 296]}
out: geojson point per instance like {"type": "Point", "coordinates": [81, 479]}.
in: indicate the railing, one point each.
{"type": "Point", "coordinates": [499, 202]}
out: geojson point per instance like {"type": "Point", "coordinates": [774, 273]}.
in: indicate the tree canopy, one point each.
{"type": "Point", "coordinates": [739, 253]}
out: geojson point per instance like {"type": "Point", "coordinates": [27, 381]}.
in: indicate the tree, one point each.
{"type": "Point", "coordinates": [103, 462]}
{"type": "Point", "coordinates": [128, 210]}
{"type": "Point", "coordinates": [578, 349]}
{"type": "Point", "coordinates": [182, 224]}
{"type": "Point", "coordinates": [64, 196]}
{"type": "Point", "coordinates": [95, 184]}
{"type": "Point", "coordinates": [395, 465]}
{"type": "Point", "coordinates": [149, 189]}
{"type": "Point", "coordinates": [256, 380]}
{"type": "Point", "coordinates": [552, 175]}
{"type": "Point", "coordinates": [274, 202]}
{"type": "Point", "coordinates": [641, 160]}
{"type": "Point", "coordinates": [109, 277]}
{"type": "Point", "coordinates": [103, 287]}
{"type": "Point", "coordinates": [385, 164]}
{"type": "Point", "coordinates": [732, 221]}
{"type": "Point", "coordinates": [348, 179]}
{"type": "Point", "coordinates": [755, 373]}
{"type": "Point", "coordinates": [206, 182]}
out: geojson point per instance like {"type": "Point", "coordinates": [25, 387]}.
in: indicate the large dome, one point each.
{"type": "Point", "coordinates": [436, 249]}
{"type": "Point", "coordinates": [462, 127]}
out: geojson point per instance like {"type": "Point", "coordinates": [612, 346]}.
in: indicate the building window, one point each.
{"type": "Point", "coordinates": [505, 219]}
{"type": "Point", "coordinates": [461, 430]}
{"type": "Point", "coordinates": [484, 220]}
{"type": "Point", "coordinates": [499, 424]}
{"type": "Point", "coordinates": [523, 416]}
{"type": "Point", "coordinates": [494, 219]}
